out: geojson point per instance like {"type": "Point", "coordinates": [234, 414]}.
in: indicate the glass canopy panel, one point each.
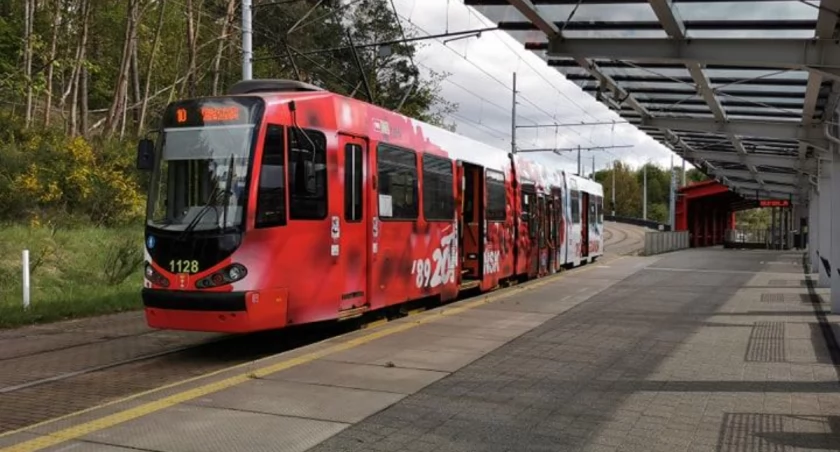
{"type": "Point", "coordinates": [615, 34]}
{"type": "Point", "coordinates": [645, 72]}
{"type": "Point", "coordinates": [756, 74]}
{"type": "Point", "coordinates": [747, 10]}
{"type": "Point", "coordinates": [753, 34]}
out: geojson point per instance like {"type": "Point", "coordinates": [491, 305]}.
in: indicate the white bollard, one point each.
{"type": "Point", "coordinates": [25, 279]}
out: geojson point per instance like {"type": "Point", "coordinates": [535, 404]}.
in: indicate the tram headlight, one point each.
{"type": "Point", "coordinates": [150, 272]}
{"type": "Point", "coordinates": [235, 273]}
{"type": "Point", "coordinates": [227, 275]}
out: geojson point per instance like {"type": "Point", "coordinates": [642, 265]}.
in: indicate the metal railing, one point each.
{"type": "Point", "coordinates": [639, 222]}
{"type": "Point", "coordinates": [665, 242]}
{"type": "Point", "coordinates": [758, 238]}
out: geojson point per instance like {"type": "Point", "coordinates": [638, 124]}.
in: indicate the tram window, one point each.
{"type": "Point", "coordinates": [599, 209]}
{"type": "Point", "coordinates": [271, 200]}
{"type": "Point", "coordinates": [496, 196]}
{"type": "Point", "coordinates": [353, 182]}
{"type": "Point", "coordinates": [593, 215]}
{"type": "Point", "coordinates": [307, 174]}
{"type": "Point", "coordinates": [438, 201]}
{"type": "Point", "coordinates": [397, 180]}
{"type": "Point", "coordinates": [575, 200]}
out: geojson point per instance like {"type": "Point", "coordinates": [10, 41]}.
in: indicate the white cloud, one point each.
{"type": "Point", "coordinates": [480, 83]}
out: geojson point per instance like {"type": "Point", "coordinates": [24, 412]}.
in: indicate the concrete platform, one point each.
{"type": "Point", "coordinates": [697, 350]}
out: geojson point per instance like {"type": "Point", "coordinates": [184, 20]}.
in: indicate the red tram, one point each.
{"type": "Point", "coordinates": [282, 204]}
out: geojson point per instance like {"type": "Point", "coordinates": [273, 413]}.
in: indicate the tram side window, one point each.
{"type": "Point", "coordinates": [496, 196]}
{"type": "Point", "coordinates": [271, 200]}
{"type": "Point", "coordinates": [438, 201]}
{"type": "Point", "coordinates": [599, 208]}
{"type": "Point", "coordinates": [593, 214]}
{"type": "Point", "coordinates": [353, 182]}
{"type": "Point", "coordinates": [307, 174]}
{"type": "Point", "coordinates": [397, 174]}
{"type": "Point", "coordinates": [575, 200]}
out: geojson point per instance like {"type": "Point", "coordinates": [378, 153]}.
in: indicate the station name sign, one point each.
{"type": "Point", "coordinates": [774, 203]}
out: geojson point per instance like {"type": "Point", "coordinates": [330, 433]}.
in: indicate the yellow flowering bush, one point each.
{"type": "Point", "coordinates": [47, 173]}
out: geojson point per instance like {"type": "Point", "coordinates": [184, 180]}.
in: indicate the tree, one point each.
{"type": "Point", "coordinates": [628, 193]}
{"type": "Point", "coordinates": [319, 50]}
{"type": "Point", "coordinates": [695, 175]}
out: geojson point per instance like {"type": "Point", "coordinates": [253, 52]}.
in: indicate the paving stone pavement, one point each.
{"type": "Point", "coordinates": [705, 350]}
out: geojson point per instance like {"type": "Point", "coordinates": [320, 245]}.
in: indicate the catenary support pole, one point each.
{"type": "Point", "coordinates": [579, 168]}
{"type": "Point", "coordinates": [612, 192]}
{"type": "Point", "coordinates": [644, 192]}
{"type": "Point", "coordinates": [247, 53]}
{"type": "Point", "coordinates": [513, 118]}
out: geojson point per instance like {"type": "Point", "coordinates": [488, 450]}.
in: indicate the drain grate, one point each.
{"type": "Point", "coordinates": [760, 432]}
{"type": "Point", "coordinates": [766, 343]}
{"type": "Point", "coordinates": [788, 283]}
{"type": "Point", "coordinates": [748, 432]}
{"type": "Point", "coordinates": [785, 298]}
{"type": "Point", "coordinates": [772, 298]}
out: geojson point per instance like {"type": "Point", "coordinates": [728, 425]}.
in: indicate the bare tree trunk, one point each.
{"type": "Point", "coordinates": [149, 67]}
{"type": "Point", "coordinates": [81, 53]}
{"type": "Point", "coordinates": [84, 101]}
{"type": "Point", "coordinates": [29, 12]}
{"type": "Point", "coordinates": [231, 8]}
{"type": "Point", "coordinates": [191, 49]}
{"type": "Point", "coordinates": [118, 104]}
{"type": "Point", "coordinates": [135, 82]}
{"type": "Point", "coordinates": [53, 48]}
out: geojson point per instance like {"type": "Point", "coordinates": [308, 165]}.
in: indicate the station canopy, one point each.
{"type": "Point", "coordinates": [741, 89]}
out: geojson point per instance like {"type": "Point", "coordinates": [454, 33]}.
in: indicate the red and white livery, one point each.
{"type": "Point", "coordinates": [283, 204]}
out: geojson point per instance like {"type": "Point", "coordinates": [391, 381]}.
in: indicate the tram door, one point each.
{"type": "Point", "coordinates": [584, 224]}
{"type": "Point", "coordinates": [530, 218]}
{"type": "Point", "coordinates": [471, 224]}
{"type": "Point", "coordinates": [542, 217]}
{"type": "Point", "coordinates": [551, 232]}
{"type": "Point", "coordinates": [351, 235]}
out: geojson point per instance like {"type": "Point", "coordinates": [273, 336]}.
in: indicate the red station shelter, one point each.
{"type": "Point", "coordinates": [707, 209]}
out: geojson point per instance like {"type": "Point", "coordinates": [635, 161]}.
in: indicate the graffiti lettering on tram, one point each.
{"type": "Point", "coordinates": [491, 262]}
{"type": "Point", "coordinates": [440, 269]}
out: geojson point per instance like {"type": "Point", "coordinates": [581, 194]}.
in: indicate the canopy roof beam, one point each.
{"type": "Point", "coordinates": [822, 55]}
{"type": "Point", "coordinates": [783, 130]}
{"type": "Point", "coordinates": [675, 27]}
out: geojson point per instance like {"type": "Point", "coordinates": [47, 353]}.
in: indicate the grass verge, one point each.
{"type": "Point", "coordinates": [75, 272]}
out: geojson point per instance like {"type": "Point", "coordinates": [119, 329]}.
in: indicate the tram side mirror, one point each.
{"type": "Point", "coordinates": [145, 154]}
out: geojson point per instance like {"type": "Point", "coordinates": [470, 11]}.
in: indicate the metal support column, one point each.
{"type": "Point", "coordinates": [813, 230]}
{"type": "Point", "coordinates": [644, 191]}
{"type": "Point", "coordinates": [834, 237]}
{"type": "Point", "coordinates": [824, 250]}
{"type": "Point", "coordinates": [247, 53]}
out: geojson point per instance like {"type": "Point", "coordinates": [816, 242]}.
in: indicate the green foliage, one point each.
{"type": "Point", "coordinates": [73, 277]}
{"type": "Point", "coordinates": [49, 177]}
{"type": "Point", "coordinates": [753, 219]}
{"type": "Point", "coordinates": [629, 185]}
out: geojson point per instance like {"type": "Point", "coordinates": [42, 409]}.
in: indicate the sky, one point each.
{"type": "Point", "coordinates": [479, 81]}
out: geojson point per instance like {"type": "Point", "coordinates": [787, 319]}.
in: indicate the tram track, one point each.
{"type": "Point", "coordinates": [50, 382]}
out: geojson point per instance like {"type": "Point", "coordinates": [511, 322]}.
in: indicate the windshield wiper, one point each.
{"type": "Point", "coordinates": [228, 192]}
{"type": "Point", "coordinates": [211, 202]}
